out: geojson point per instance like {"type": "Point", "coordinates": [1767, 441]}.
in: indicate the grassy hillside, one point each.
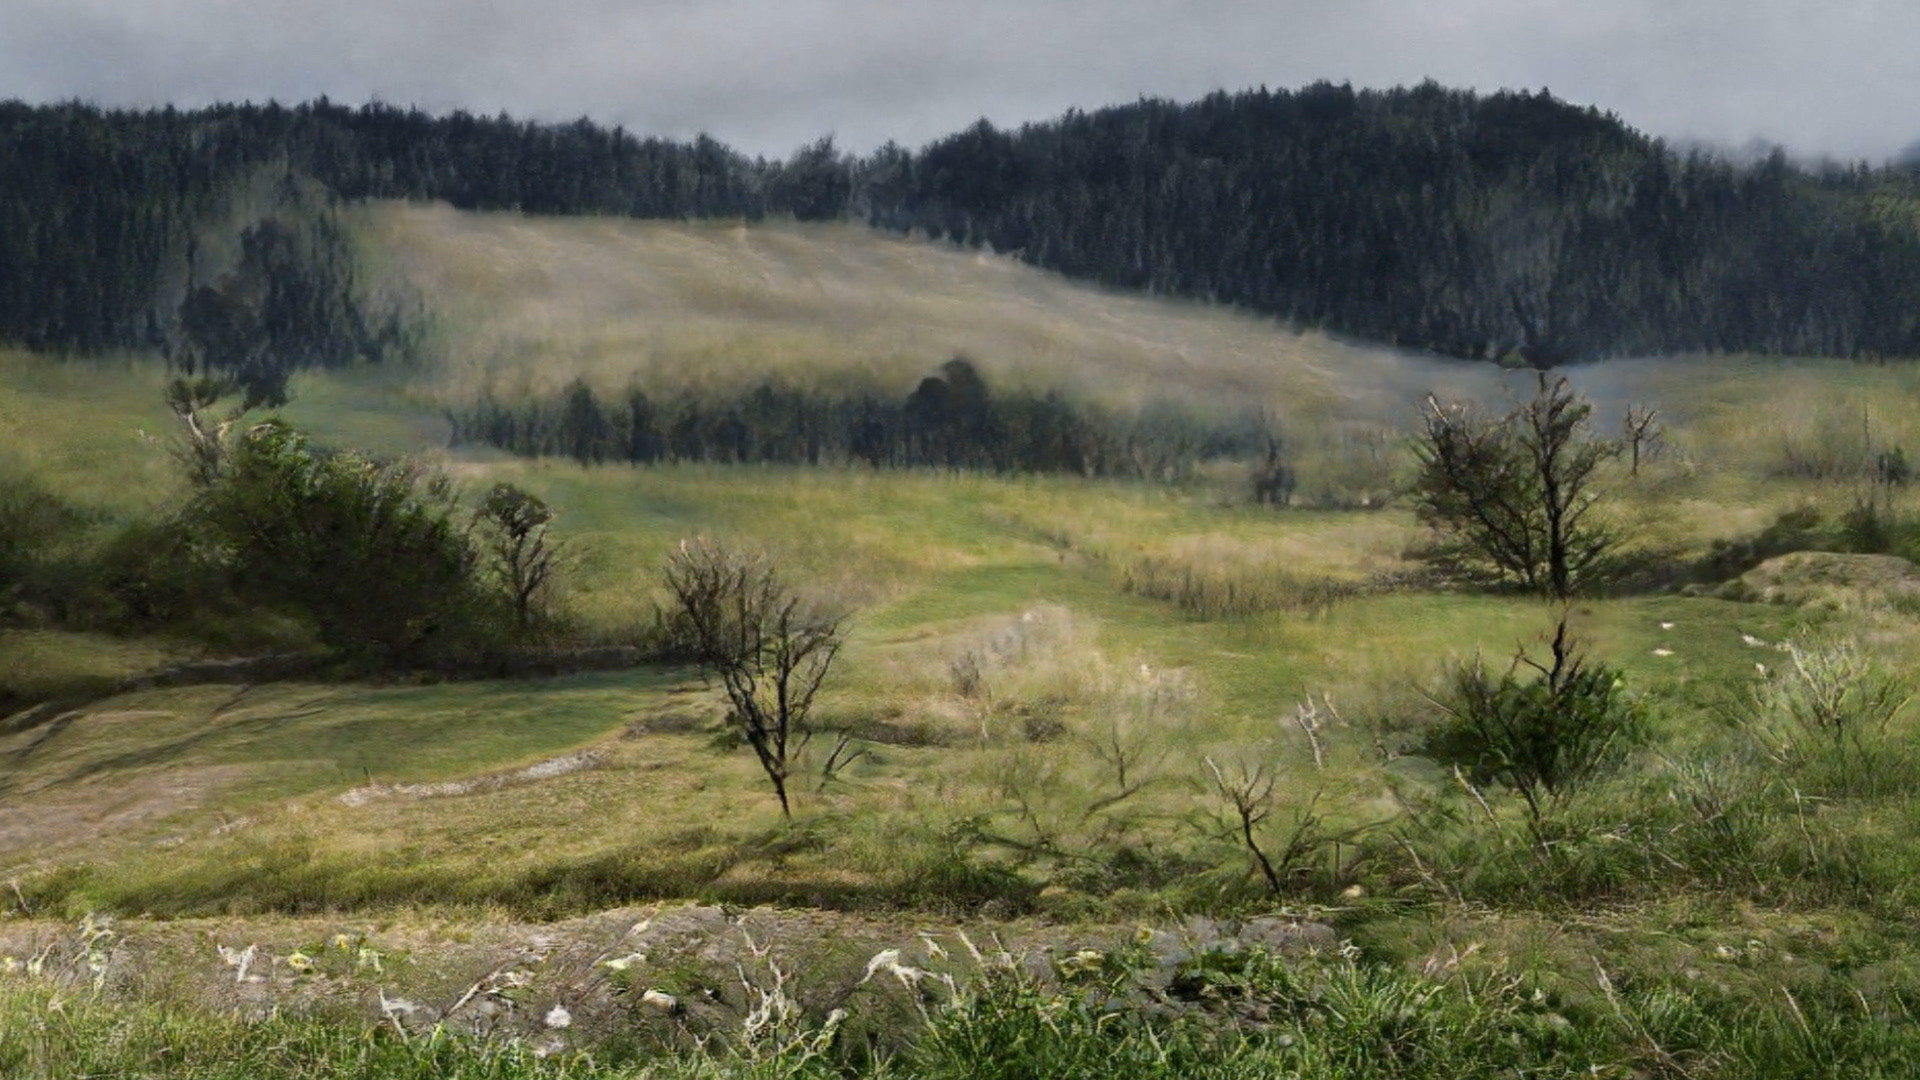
{"type": "Point", "coordinates": [1039, 673]}
{"type": "Point", "coordinates": [536, 301]}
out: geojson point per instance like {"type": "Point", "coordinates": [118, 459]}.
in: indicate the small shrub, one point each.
{"type": "Point", "coordinates": [967, 674]}
{"type": "Point", "coordinates": [1510, 497]}
{"type": "Point", "coordinates": [1826, 713]}
{"type": "Point", "coordinates": [771, 647]}
{"type": "Point", "coordinates": [1540, 736]}
{"type": "Point", "coordinates": [1215, 592]}
{"type": "Point", "coordinates": [524, 558]}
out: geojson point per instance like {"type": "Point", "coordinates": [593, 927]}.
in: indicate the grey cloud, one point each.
{"type": "Point", "coordinates": [768, 75]}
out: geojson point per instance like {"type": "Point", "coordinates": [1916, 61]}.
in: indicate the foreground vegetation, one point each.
{"type": "Point", "coordinates": [1242, 1013]}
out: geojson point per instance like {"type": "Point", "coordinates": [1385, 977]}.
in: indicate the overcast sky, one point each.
{"type": "Point", "coordinates": [1822, 77]}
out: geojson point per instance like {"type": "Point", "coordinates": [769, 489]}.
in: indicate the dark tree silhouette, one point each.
{"type": "Point", "coordinates": [1517, 491]}
{"type": "Point", "coordinates": [770, 648]}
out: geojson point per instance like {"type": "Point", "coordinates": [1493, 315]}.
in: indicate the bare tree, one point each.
{"type": "Point", "coordinates": [1642, 431]}
{"type": "Point", "coordinates": [769, 646]}
{"type": "Point", "coordinates": [1517, 491]}
{"type": "Point", "coordinates": [515, 524]}
{"type": "Point", "coordinates": [1272, 480]}
{"type": "Point", "coordinates": [1247, 793]}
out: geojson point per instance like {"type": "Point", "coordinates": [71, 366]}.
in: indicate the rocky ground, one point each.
{"type": "Point", "coordinates": [677, 972]}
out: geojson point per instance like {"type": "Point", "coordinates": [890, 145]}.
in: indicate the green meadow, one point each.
{"type": "Point", "coordinates": [1045, 681]}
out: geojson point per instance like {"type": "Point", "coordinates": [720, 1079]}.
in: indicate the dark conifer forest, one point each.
{"type": "Point", "coordinates": [1501, 226]}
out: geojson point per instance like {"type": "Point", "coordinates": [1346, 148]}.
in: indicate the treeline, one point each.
{"type": "Point", "coordinates": [111, 221]}
{"type": "Point", "coordinates": [951, 420]}
{"type": "Point", "coordinates": [1474, 226]}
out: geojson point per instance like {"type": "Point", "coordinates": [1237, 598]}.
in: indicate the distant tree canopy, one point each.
{"type": "Point", "coordinates": [1471, 226]}
{"type": "Point", "coordinates": [289, 302]}
{"type": "Point", "coordinates": [951, 420]}
{"type": "Point", "coordinates": [1477, 226]}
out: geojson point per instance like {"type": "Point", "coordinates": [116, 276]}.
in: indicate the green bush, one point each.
{"type": "Point", "coordinates": [1800, 528]}
{"type": "Point", "coordinates": [372, 552]}
{"type": "Point", "coordinates": [1871, 526]}
{"type": "Point", "coordinates": [1540, 735]}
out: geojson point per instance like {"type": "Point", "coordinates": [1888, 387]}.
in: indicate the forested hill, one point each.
{"type": "Point", "coordinates": [1470, 225]}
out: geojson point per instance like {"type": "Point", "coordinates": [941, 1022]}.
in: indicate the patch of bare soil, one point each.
{"type": "Point", "coordinates": [44, 822]}
{"type": "Point", "coordinates": [542, 770]}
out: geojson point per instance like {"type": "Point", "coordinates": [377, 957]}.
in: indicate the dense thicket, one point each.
{"type": "Point", "coordinates": [1469, 225]}
{"type": "Point", "coordinates": [951, 420]}
{"type": "Point", "coordinates": [373, 554]}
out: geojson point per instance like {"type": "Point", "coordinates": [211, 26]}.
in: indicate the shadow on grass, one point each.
{"type": "Point", "coordinates": [295, 877]}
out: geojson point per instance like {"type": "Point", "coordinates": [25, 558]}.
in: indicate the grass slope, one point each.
{"type": "Point", "coordinates": [535, 302]}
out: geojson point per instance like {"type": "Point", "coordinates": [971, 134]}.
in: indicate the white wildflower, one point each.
{"type": "Point", "coordinates": [883, 959]}
{"type": "Point", "coordinates": [238, 959]}
{"type": "Point", "coordinates": [559, 1017]}
{"type": "Point", "coordinates": [1663, 652]}
{"type": "Point", "coordinates": [622, 963]}
{"type": "Point", "coordinates": [888, 960]}
{"type": "Point", "coordinates": [660, 999]}
{"type": "Point", "coordinates": [1083, 960]}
